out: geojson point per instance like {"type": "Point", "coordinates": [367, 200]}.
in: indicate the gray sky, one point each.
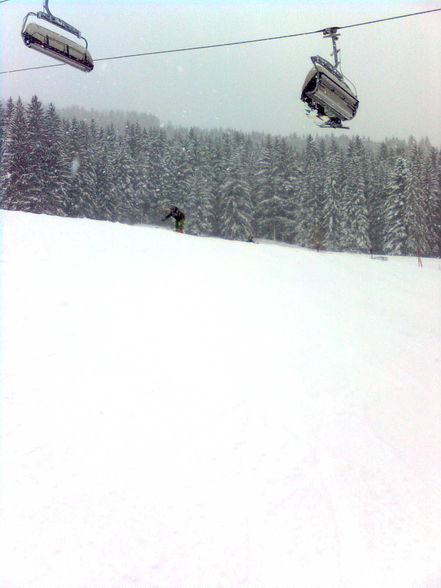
{"type": "Point", "coordinates": [395, 65]}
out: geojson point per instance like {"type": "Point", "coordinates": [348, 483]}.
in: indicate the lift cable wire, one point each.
{"type": "Point", "coordinates": [201, 47]}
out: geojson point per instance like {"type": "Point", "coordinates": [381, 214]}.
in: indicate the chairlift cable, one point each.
{"type": "Point", "coordinates": [230, 44]}
{"type": "Point", "coordinates": [368, 22]}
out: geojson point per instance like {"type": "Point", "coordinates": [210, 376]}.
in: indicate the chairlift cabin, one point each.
{"type": "Point", "coordinates": [328, 95]}
{"type": "Point", "coordinates": [55, 45]}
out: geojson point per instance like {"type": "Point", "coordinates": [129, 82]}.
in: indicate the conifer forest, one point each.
{"type": "Point", "coordinates": [327, 192]}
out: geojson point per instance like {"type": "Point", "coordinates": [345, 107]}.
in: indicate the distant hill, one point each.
{"type": "Point", "coordinates": [117, 118]}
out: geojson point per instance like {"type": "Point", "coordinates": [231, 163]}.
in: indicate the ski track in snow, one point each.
{"type": "Point", "coordinates": [185, 411]}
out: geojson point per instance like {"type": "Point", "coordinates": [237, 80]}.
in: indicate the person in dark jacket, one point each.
{"type": "Point", "coordinates": [179, 217]}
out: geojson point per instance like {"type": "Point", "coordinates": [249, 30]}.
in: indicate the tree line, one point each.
{"type": "Point", "coordinates": [357, 196]}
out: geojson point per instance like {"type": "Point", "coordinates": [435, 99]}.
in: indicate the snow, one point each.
{"type": "Point", "coordinates": [180, 411]}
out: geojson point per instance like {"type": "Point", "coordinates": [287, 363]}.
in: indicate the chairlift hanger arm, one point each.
{"type": "Point", "coordinates": [46, 7]}
{"type": "Point", "coordinates": [49, 17]}
{"type": "Point", "coordinates": [334, 35]}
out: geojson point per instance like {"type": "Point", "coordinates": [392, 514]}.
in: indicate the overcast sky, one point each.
{"type": "Point", "coordinates": [395, 65]}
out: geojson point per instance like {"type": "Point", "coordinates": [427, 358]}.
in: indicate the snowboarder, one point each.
{"type": "Point", "coordinates": [179, 217]}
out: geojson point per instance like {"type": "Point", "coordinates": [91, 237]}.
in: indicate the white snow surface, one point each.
{"type": "Point", "coordinates": [180, 411]}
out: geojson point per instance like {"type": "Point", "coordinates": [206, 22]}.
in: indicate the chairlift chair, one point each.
{"type": "Point", "coordinates": [327, 94]}
{"type": "Point", "coordinates": [55, 45]}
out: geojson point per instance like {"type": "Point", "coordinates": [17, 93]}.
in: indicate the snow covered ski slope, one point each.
{"type": "Point", "coordinates": [190, 412]}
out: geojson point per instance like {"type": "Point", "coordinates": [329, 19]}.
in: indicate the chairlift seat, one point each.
{"type": "Point", "coordinates": [47, 41]}
{"type": "Point", "coordinates": [326, 91]}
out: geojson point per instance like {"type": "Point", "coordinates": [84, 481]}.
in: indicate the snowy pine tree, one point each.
{"type": "Point", "coordinates": [271, 204]}
{"type": "Point", "coordinates": [432, 198]}
{"type": "Point", "coordinates": [355, 223]}
{"type": "Point", "coordinates": [332, 198]}
{"type": "Point", "coordinates": [395, 232]}
{"type": "Point", "coordinates": [57, 165]}
{"type": "Point", "coordinates": [136, 140]}
{"type": "Point", "coordinates": [81, 199]}
{"type": "Point", "coordinates": [290, 178]}
{"type": "Point", "coordinates": [105, 153]}
{"type": "Point", "coordinates": [309, 221]}
{"type": "Point", "coordinates": [415, 211]}
{"type": "Point", "coordinates": [161, 183]}
{"type": "Point", "coordinates": [381, 164]}
{"type": "Point", "coordinates": [38, 153]}
{"type": "Point", "coordinates": [127, 207]}
{"type": "Point", "coordinates": [16, 181]}
{"type": "Point", "coordinates": [235, 220]}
